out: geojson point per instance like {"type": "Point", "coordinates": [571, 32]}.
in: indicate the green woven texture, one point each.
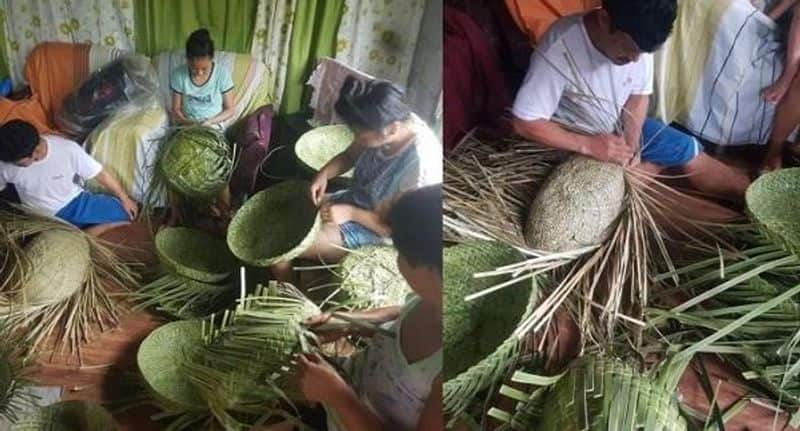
{"type": "Point", "coordinates": [276, 225]}
{"type": "Point", "coordinates": [474, 329]}
{"type": "Point", "coordinates": [318, 146]}
{"type": "Point", "coordinates": [371, 278]}
{"type": "Point", "coordinates": [773, 201]}
{"type": "Point", "coordinates": [577, 206]}
{"type": "Point", "coordinates": [195, 254]}
{"type": "Point", "coordinates": [184, 298]}
{"type": "Point", "coordinates": [67, 416]}
{"type": "Point", "coordinates": [599, 394]}
{"type": "Point", "coordinates": [61, 261]}
{"type": "Point", "coordinates": [196, 162]}
{"type": "Point", "coordinates": [162, 358]}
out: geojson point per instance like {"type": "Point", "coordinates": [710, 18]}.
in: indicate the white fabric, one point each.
{"type": "Point", "coordinates": [272, 34]}
{"type": "Point", "coordinates": [326, 81]}
{"type": "Point", "coordinates": [385, 381]}
{"type": "Point", "coordinates": [51, 183]}
{"type": "Point", "coordinates": [567, 68]}
{"type": "Point", "coordinates": [29, 22]}
{"type": "Point", "coordinates": [380, 37]}
{"type": "Point", "coordinates": [745, 56]}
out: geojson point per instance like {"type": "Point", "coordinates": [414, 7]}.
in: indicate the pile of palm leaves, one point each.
{"type": "Point", "coordinates": [230, 371]}
{"type": "Point", "coordinates": [318, 146]}
{"type": "Point", "coordinates": [57, 281]}
{"type": "Point", "coordinates": [370, 278]}
{"type": "Point", "coordinates": [275, 225]}
{"type": "Point", "coordinates": [743, 305]}
{"type": "Point", "coordinates": [197, 275]}
{"type": "Point", "coordinates": [67, 416]}
{"type": "Point", "coordinates": [13, 365]}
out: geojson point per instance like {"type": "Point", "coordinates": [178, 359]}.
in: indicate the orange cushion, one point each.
{"type": "Point", "coordinates": [534, 17]}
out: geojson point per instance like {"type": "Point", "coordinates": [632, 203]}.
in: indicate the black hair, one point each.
{"type": "Point", "coordinates": [371, 105]}
{"type": "Point", "coordinates": [416, 223]}
{"type": "Point", "coordinates": [647, 22]}
{"type": "Point", "coordinates": [199, 44]}
{"type": "Point", "coordinates": [18, 139]}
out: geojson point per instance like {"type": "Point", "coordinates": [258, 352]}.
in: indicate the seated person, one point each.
{"type": "Point", "coordinates": [396, 383]}
{"type": "Point", "coordinates": [202, 93]}
{"type": "Point", "coordinates": [593, 71]}
{"type": "Point", "coordinates": [393, 151]}
{"type": "Point", "coordinates": [47, 172]}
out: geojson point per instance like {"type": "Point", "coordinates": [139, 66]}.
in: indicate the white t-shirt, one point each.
{"type": "Point", "coordinates": [51, 183]}
{"type": "Point", "coordinates": [566, 67]}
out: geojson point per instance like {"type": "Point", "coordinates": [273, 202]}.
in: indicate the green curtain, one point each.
{"type": "Point", "coordinates": [3, 55]}
{"type": "Point", "coordinates": [165, 24]}
{"type": "Point", "coordinates": [316, 24]}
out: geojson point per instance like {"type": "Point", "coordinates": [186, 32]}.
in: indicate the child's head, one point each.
{"type": "Point", "coordinates": [200, 53]}
{"type": "Point", "coordinates": [632, 27]}
{"type": "Point", "coordinates": [20, 143]}
{"type": "Point", "coordinates": [416, 223]}
{"type": "Point", "coordinates": [374, 110]}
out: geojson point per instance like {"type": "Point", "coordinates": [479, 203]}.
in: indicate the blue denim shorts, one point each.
{"type": "Point", "coordinates": [355, 235]}
{"type": "Point", "coordinates": [89, 209]}
{"type": "Point", "coordinates": [667, 146]}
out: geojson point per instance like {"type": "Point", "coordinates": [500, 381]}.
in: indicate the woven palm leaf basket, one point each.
{"type": "Point", "coordinates": [196, 280]}
{"type": "Point", "coordinates": [13, 366]}
{"type": "Point", "coordinates": [196, 162]}
{"type": "Point", "coordinates": [229, 371]}
{"type": "Point", "coordinates": [67, 416]}
{"type": "Point", "coordinates": [58, 282]}
{"type": "Point", "coordinates": [596, 393]}
{"type": "Point", "coordinates": [370, 278]}
{"type": "Point", "coordinates": [318, 146]}
{"type": "Point", "coordinates": [276, 225]}
{"type": "Point", "coordinates": [478, 344]}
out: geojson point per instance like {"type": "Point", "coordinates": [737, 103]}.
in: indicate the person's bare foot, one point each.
{"type": "Point", "coordinates": [775, 92]}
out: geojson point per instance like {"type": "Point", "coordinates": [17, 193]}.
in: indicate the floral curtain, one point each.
{"type": "Point", "coordinates": [28, 22]}
{"type": "Point", "coordinates": [271, 40]}
{"type": "Point", "coordinates": [379, 37]}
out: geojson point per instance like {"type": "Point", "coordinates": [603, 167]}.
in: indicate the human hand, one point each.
{"type": "Point", "coordinates": [318, 187]}
{"type": "Point", "coordinates": [327, 334]}
{"type": "Point", "coordinates": [337, 213]}
{"type": "Point", "coordinates": [130, 206]}
{"type": "Point", "coordinates": [611, 148]}
{"type": "Point", "coordinates": [318, 381]}
{"type": "Point", "coordinates": [772, 161]}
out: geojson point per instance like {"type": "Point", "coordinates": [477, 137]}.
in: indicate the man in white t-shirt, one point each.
{"type": "Point", "coordinates": [48, 172]}
{"type": "Point", "coordinates": [587, 91]}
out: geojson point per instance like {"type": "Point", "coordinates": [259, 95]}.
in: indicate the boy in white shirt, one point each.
{"type": "Point", "coordinates": [593, 71]}
{"type": "Point", "coordinates": [47, 172]}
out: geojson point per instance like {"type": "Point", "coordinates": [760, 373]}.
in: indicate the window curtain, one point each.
{"type": "Point", "coordinates": [273, 32]}
{"type": "Point", "coordinates": [380, 37]}
{"type": "Point", "coordinates": [314, 30]}
{"type": "Point", "coordinates": [29, 22]}
{"type": "Point", "coordinates": [163, 25]}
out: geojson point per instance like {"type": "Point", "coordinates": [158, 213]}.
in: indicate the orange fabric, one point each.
{"type": "Point", "coordinates": [534, 17]}
{"type": "Point", "coordinates": [28, 110]}
{"type": "Point", "coordinates": [55, 69]}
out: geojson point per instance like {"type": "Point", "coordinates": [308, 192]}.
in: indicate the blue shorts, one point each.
{"type": "Point", "coordinates": [90, 209]}
{"type": "Point", "coordinates": [355, 235]}
{"type": "Point", "coordinates": [667, 146]}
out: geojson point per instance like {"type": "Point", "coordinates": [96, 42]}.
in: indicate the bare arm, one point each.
{"type": "Point", "coordinates": [342, 163]}
{"type": "Point", "coordinates": [780, 8]}
{"type": "Point", "coordinates": [228, 110]}
{"type": "Point", "coordinates": [177, 109]}
{"type": "Point", "coordinates": [110, 183]}
{"type": "Point", "coordinates": [633, 116]}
